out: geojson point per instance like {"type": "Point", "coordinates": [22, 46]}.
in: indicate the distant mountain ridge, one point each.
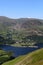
{"type": "Point", "coordinates": [22, 23]}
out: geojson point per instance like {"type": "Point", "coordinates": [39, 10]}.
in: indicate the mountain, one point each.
{"type": "Point", "coordinates": [33, 58]}
{"type": "Point", "coordinates": [21, 24]}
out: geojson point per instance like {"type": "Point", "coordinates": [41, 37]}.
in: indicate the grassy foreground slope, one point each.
{"type": "Point", "coordinates": [33, 58]}
{"type": "Point", "coordinates": [13, 62]}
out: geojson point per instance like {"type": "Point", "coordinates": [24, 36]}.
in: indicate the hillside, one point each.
{"type": "Point", "coordinates": [21, 30]}
{"type": "Point", "coordinates": [33, 58]}
{"type": "Point", "coordinates": [19, 24]}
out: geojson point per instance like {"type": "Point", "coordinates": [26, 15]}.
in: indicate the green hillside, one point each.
{"type": "Point", "coordinates": [33, 58]}
{"type": "Point", "coordinates": [21, 31]}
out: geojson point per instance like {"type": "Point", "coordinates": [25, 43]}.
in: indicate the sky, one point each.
{"type": "Point", "coordinates": [21, 8]}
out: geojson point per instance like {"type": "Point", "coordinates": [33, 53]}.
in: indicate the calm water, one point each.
{"type": "Point", "coordinates": [17, 50]}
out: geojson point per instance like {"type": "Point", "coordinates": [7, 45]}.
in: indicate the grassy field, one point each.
{"type": "Point", "coordinates": [33, 58]}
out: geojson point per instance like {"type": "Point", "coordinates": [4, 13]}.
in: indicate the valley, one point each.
{"type": "Point", "coordinates": [21, 39]}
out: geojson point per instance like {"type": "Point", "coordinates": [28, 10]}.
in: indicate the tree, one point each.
{"type": "Point", "coordinates": [1, 39]}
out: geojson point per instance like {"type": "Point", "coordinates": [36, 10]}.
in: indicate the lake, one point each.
{"type": "Point", "coordinates": [17, 51]}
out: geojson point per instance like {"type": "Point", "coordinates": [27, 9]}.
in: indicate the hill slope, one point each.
{"type": "Point", "coordinates": [22, 23]}
{"type": "Point", "coordinates": [33, 58]}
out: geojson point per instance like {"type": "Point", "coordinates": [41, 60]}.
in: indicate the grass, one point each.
{"type": "Point", "coordinates": [38, 63]}
{"type": "Point", "coordinates": [33, 58]}
{"type": "Point", "coordinates": [14, 61]}
{"type": "Point", "coordinates": [37, 56]}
